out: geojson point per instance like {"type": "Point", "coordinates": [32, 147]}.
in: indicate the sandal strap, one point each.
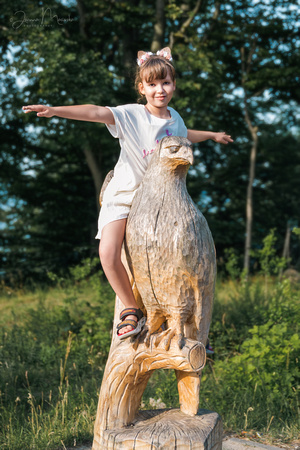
{"type": "Point", "coordinates": [131, 312]}
{"type": "Point", "coordinates": [127, 322]}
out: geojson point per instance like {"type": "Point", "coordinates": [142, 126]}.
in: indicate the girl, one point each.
{"type": "Point", "coordinates": [138, 128]}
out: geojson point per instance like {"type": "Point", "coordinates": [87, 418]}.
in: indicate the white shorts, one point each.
{"type": "Point", "coordinates": [116, 205]}
{"type": "Point", "coordinates": [110, 214]}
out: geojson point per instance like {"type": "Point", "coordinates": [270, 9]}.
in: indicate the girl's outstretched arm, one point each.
{"type": "Point", "coordinates": [90, 113]}
{"type": "Point", "coordinates": [198, 136]}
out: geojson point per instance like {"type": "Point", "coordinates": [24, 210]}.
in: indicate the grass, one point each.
{"type": "Point", "coordinates": [14, 305]}
{"type": "Point", "coordinates": [55, 341]}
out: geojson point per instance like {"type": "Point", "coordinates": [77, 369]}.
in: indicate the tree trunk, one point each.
{"type": "Point", "coordinates": [249, 200]}
{"type": "Point", "coordinates": [180, 33]}
{"type": "Point", "coordinates": [95, 172]}
{"type": "Point", "coordinates": [286, 246]}
{"type": "Point", "coordinates": [246, 67]}
{"type": "Point", "coordinates": [287, 240]}
{"type": "Point", "coordinates": [91, 160]}
{"type": "Point", "coordinates": [159, 27]}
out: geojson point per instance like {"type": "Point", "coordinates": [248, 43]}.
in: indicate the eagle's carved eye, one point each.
{"type": "Point", "coordinates": [174, 148]}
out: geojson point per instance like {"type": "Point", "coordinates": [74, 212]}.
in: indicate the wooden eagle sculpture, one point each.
{"type": "Point", "coordinates": [169, 248]}
{"type": "Point", "coordinates": [170, 258]}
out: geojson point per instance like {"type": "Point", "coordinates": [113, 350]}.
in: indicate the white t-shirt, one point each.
{"type": "Point", "coordinates": [138, 132]}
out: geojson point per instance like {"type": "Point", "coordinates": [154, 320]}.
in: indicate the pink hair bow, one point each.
{"type": "Point", "coordinates": [143, 56]}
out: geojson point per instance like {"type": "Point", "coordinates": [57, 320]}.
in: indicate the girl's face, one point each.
{"type": "Point", "coordinates": [158, 93]}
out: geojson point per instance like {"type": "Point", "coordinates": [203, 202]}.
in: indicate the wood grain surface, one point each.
{"type": "Point", "coordinates": [168, 429]}
{"type": "Point", "coordinates": [169, 255]}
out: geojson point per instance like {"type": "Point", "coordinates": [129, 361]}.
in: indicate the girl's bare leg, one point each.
{"type": "Point", "coordinates": [110, 255]}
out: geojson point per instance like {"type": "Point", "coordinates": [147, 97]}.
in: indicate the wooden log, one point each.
{"type": "Point", "coordinates": [167, 430]}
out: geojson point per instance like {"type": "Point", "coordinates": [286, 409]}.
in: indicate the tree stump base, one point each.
{"type": "Point", "coordinates": [167, 429]}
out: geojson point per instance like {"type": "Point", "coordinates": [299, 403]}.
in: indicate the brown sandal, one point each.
{"type": "Point", "coordinates": [137, 325]}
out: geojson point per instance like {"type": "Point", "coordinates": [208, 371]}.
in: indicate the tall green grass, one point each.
{"type": "Point", "coordinates": [55, 341]}
{"type": "Point", "coordinates": [52, 357]}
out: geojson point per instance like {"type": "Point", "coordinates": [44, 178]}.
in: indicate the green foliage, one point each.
{"type": "Point", "coordinates": [263, 371]}
{"type": "Point", "coordinates": [296, 231]}
{"type": "Point", "coordinates": [232, 263]}
{"type": "Point", "coordinates": [162, 385]}
{"type": "Point", "coordinates": [83, 270]}
{"type": "Point", "coordinates": [254, 380]}
{"type": "Point", "coordinates": [270, 263]}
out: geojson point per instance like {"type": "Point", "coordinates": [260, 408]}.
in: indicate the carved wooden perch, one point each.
{"type": "Point", "coordinates": [171, 264]}
{"type": "Point", "coordinates": [130, 368]}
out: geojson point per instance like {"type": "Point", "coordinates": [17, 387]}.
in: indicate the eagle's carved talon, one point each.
{"type": "Point", "coordinates": [181, 341]}
{"type": "Point", "coordinates": [144, 332]}
{"type": "Point", "coordinates": [157, 339]}
{"type": "Point", "coordinates": [170, 334]}
{"type": "Point", "coordinates": [147, 339]}
{"type": "Point", "coordinates": [136, 341]}
{"type": "Point", "coordinates": [160, 336]}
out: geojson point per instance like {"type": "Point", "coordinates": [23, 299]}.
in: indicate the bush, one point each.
{"type": "Point", "coordinates": [264, 373]}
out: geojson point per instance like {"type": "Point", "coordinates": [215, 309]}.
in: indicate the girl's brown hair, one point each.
{"type": "Point", "coordinates": [154, 68]}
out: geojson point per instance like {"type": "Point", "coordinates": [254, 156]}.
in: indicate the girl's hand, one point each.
{"type": "Point", "coordinates": [222, 138]}
{"type": "Point", "coordinates": [42, 111]}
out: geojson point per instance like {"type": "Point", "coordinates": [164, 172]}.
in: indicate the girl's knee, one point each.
{"type": "Point", "coordinates": [109, 255]}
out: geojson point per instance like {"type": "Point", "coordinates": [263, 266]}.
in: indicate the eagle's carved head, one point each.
{"type": "Point", "coordinates": [175, 151]}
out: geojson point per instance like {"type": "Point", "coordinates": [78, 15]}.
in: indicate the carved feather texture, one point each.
{"type": "Point", "coordinates": [169, 246]}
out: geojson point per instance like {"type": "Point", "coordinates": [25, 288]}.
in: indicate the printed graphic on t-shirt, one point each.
{"type": "Point", "coordinates": [146, 153]}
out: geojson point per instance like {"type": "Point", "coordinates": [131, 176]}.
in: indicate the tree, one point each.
{"type": "Point", "coordinates": [85, 53]}
{"type": "Point", "coordinates": [253, 44]}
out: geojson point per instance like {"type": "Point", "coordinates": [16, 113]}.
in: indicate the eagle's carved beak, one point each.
{"type": "Point", "coordinates": [187, 154]}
